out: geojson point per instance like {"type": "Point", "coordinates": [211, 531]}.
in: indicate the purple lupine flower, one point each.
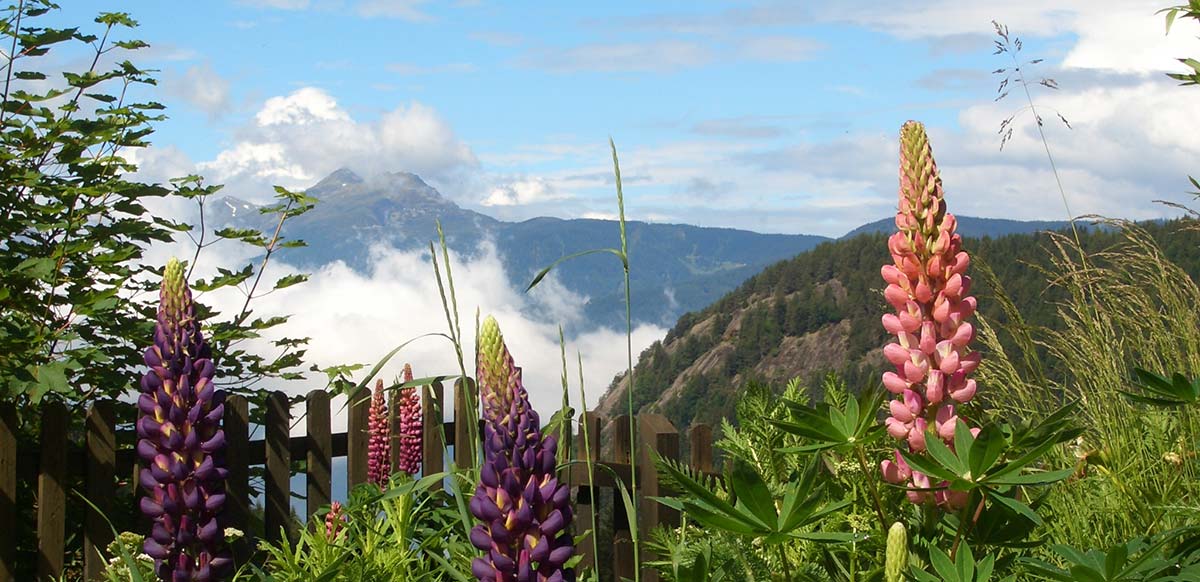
{"type": "Point", "coordinates": [927, 287]}
{"type": "Point", "coordinates": [410, 427]}
{"type": "Point", "coordinates": [379, 439]}
{"type": "Point", "coordinates": [524, 509]}
{"type": "Point", "coordinates": [181, 441]}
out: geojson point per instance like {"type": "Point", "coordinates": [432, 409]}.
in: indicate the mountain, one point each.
{"type": "Point", "coordinates": [819, 312]}
{"type": "Point", "coordinates": [676, 268]}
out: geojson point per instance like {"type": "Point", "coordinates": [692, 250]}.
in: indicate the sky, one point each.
{"type": "Point", "coordinates": [773, 117]}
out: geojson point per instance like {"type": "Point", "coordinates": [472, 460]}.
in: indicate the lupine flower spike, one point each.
{"type": "Point", "coordinates": [181, 442]}
{"type": "Point", "coordinates": [410, 427]}
{"type": "Point", "coordinates": [927, 285]}
{"type": "Point", "coordinates": [523, 507]}
{"type": "Point", "coordinates": [379, 439]}
{"type": "Point", "coordinates": [334, 520]}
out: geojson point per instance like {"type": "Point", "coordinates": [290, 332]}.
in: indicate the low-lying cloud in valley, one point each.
{"type": "Point", "coordinates": [358, 317]}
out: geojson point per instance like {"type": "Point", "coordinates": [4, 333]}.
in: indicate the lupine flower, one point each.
{"type": "Point", "coordinates": [410, 427]}
{"type": "Point", "coordinates": [181, 441]}
{"type": "Point", "coordinates": [334, 520]}
{"type": "Point", "coordinates": [524, 509]}
{"type": "Point", "coordinates": [378, 439]}
{"type": "Point", "coordinates": [927, 285]}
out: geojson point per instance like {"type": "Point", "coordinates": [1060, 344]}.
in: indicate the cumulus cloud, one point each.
{"type": "Point", "coordinates": [296, 139]}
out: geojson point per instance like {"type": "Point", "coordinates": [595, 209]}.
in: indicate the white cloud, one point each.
{"type": "Point", "coordinates": [522, 191]}
{"type": "Point", "coordinates": [297, 139]}
{"type": "Point", "coordinates": [203, 88]}
{"type": "Point", "coordinates": [355, 317]}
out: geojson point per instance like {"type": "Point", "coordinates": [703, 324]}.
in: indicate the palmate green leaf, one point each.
{"type": "Point", "coordinates": [752, 492]}
{"type": "Point", "coordinates": [289, 280]}
{"type": "Point", "coordinates": [941, 453]}
{"type": "Point", "coordinates": [1016, 506]}
{"type": "Point", "coordinates": [985, 450]}
{"type": "Point", "coordinates": [1036, 478]}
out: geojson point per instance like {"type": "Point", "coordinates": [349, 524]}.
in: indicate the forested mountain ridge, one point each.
{"type": "Point", "coordinates": [820, 312]}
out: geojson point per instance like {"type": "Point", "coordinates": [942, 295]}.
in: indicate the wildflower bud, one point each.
{"type": "Point", "coordinates": [897, 553]}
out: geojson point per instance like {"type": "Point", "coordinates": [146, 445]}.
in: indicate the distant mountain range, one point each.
{"type": "Point", "coordinates": [675, 268]}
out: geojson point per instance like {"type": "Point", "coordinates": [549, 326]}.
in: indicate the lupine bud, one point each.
{"type": "Point", "coordinates": [927, 285]}
{"type": "Point", "coordinates": [334, 520]}
{"type": "Point", "coordinates": [410, 427]}
{"type": "Point", "coordinates": [523, 508]}
{"type": "Point", "coordinates": [378, 439]}
{"type": "Point", "coordinates": [897, 553]}
{"type": "Point", "coordinates": [181, 442]}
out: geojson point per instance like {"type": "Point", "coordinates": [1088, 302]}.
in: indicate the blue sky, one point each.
{"type": "Point", "coordinates": [765, 116]}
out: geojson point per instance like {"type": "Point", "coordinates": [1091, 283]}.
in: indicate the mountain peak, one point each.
{"type": "Point", "coordinates": [340, 177]}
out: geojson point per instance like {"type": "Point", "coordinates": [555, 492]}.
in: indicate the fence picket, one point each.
{"type": "Point", "coordinates": [276, 482]}
{"type": "Point", "coordinates": [432, 459]}
{"type": "Point", "coordinates": [8, 490]}
{"type": "Point", "coordinates": [621, 452]}
{"type": "Point", "coordinates": [319, 468]}
{"type": "Point", "coordinates": [586, 498]}
{"type": "Point", "coordinates": [237, 481]}
{"type": "Point", "coordinates": [52, 499]}
{"type": "Point", "coordinates": [101, 469]}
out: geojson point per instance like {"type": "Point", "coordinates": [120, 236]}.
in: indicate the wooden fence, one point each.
{"type": "Point", "coordinates": [99, 462]}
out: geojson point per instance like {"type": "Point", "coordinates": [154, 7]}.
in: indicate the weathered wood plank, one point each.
{"type": "Point", "coordinates": [101, 487]}
{"type": "Point", "coordinates": [587, 448]}
{"type": "Point", "coordinates": [700, 441]}
{"type": "Point", "coordinates": [356, 437]}
{"type": "Point", "coordinates": [620, 452]}
{"type": "Point", "coordinates": [432, 459]}
{"type": "Point", "coordinates": [8, 490]}
{"type": "Point", "coordinates": [276, 483]}
{"type": "Point", "coordinates": [52, 498]}
{"type": "Point", "coordinates": [236, 425]}
{"type": "Point", "coordinates": [465, 416]}
{"type": "Point", "coordinates": [657, 436]}
{"type": "Point", "coordinates": [319, 472]}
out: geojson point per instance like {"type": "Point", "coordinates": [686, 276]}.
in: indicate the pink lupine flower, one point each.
{"type": "Point", "coordinates": [410, 427]}
{"type": "Point", "coordinates": [334, 520]}
{"type": "Point", "coordinates": [378, 445]}
{"type": "Point", "coordinates": [927, 286]}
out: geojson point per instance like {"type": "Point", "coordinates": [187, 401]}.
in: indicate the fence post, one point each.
{"type": "Point", "coordinates": [8, 489]}
{"type": "Point", "coordinates": [433, 431]}
{"type": "Point", "coordinates": [236, 425]}
{"type": "Point", "coordinates": [318, 474]}
{"type": "Point", "coordinates": [586, 498]}
{"type": "Point", "coordinates": [623, 565]}
{"type": "Point", "coordinates": [276, 480]}
{"type": "Point", "coordinates": [464, 417]}
{"type": "Point", "coordinates": [101, 466]}
{"type": "Point", "coordinates": [51, 512]}
{"type": "Point", "coordinates": [700, 443]}
{"type": "Point", "coordinates": [657, 436]}
{"type": "Point", "coordinates": [356, 437]}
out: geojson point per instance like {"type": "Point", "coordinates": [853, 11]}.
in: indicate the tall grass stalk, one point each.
{"type": "Point", "coordinates": [622, 254]}
{"type": "Point", "coordinates": [1132, 307]}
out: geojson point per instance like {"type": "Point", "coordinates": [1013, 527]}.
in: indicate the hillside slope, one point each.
{"type": "Point", "coordinates": [819, 312]}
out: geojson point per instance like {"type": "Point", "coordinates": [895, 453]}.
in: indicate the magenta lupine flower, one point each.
{"type": "Point", "coordinates": [334, 520]}
{"type": "Point", "coordinates": [524, 509]}
{"type": "Point", "coordinates": [181, 442]}
{"type": "Point", "coordinates": [410, 427]}
{"type": "Point", "coordinates": [378, 439]}
{"type": "Point", "coordinates": [927, 285]}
